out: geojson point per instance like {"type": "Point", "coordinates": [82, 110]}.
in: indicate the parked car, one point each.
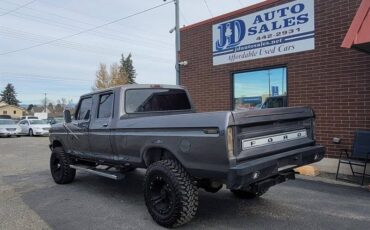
{"type": "Point", "coordinates": [9, 128]}
{"type": "Point", "coordinates": [275, 102]}
{"type": "Point", "coordinates": [5, 117]}
{"type": "Point", "coordinates": [34, 127]}
{"type": "Point", "coordinates": [156, 127]}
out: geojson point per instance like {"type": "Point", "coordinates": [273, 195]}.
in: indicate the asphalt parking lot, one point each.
{"type": "Point", "coordinates": [29, 199]}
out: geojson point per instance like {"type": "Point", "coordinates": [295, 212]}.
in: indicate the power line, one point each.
{"type": "Point", "coordinates": [106, 35]}
{"type": "Point", "coordinates": [85, 15]}
{"type": "Point", "coordinates": [88, 30]}
{"type": "Point", "coordinates": [20, 7]}
{"type": "Point", "coordinates": [209, 10]}
{"type": "Point", "coordinates": [9, 32]}
{"type": "Point", "coordinates": [19, 34]}
{"type": "Point", "coordinates": [32, 77]}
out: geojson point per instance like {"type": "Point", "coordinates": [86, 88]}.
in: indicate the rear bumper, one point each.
{"type": "Point", "coordinates": [253, 171]}
{"type": "Point", "coordinates": [9, 133]}
{"type": "Point", "coordinates": [41, 133]}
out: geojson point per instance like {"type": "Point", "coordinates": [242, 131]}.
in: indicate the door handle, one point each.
{"type": "Point", "coordinates": [105, 125]}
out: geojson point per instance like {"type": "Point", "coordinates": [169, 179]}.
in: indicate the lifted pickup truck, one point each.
{"type": "Point", "coordinates": [156, 127]}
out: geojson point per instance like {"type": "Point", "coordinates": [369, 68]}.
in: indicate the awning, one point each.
{"type": "Point", "coordinates": [358, 35]}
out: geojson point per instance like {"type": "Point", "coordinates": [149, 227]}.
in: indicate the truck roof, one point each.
{"type": "Point", "coordinates": [136, 86]}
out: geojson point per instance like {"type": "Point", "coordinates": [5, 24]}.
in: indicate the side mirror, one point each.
{"type": "Point", "coordinates": [67, 116]}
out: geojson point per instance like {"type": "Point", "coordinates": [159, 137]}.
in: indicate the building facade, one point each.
{"type": "Point", "coordinates": [11, 110]}
{"type": "Point", "coordinates": [281, 53]}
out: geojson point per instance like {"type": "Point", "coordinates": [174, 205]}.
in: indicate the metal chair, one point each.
{"type": "Point", "coordinates": [358, 156]}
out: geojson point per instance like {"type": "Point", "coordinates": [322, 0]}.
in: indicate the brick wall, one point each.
{"type": "Point", "coordinates": [332, 80]}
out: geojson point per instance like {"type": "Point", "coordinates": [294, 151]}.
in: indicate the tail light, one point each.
{"type": "Point", "coordinates": [230, 142]}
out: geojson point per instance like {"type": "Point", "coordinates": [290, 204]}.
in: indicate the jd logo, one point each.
{"type": "Point", "coordinates": [231, 34]}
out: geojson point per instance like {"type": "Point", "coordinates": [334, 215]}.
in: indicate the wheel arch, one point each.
{"type": "Point", "coordinates": [153, 154]}
{"type": "Point", "coordinates": [56, 143]}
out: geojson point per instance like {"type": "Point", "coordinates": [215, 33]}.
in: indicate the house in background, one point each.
{"type": "Point", "coordinates": [11, 110]}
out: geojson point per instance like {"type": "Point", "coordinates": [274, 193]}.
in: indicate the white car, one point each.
{"type": "Point", "coordinates": [34, 127]}
{"type": "Point", "coordinates": [8, 128]}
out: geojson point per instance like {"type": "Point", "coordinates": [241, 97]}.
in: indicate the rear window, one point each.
{"type": "Point", "coordinates": [156, 100]}
{"type": "Point", "coordinates": [38, 122]}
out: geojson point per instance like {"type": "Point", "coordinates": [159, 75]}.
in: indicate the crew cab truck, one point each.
{"type": "Point", "coordinates": [156, 127]}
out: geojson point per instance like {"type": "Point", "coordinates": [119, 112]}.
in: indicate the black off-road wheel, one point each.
{"type": "Point", "coordinates": [171, 195]}
{"type": "Point", "coordinates": [59, 167]}
{"type": "Point", "coordinates": [246, 194]}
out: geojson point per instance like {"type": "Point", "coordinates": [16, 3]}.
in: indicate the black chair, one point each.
{"type": "Point", "coordinates": [359, 155]}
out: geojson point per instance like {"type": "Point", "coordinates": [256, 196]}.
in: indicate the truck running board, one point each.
{"type": "Point", "coordinates": [100, 172]}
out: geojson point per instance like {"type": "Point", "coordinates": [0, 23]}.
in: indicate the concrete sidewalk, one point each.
{"type": "Point", "coordinates": [330, 165]}
{"type": "Point", "coordinates": [327, 168]}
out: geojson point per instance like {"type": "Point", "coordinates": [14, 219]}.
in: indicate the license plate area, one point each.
{"type": "Point", "coordinates": [289, 162]}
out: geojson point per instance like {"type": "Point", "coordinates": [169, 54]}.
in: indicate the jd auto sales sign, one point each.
{"type": "Point", "coordinates": [284, 29]}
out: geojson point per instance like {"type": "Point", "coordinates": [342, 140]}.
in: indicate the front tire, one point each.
{"type": "Point", "coordinates": [59, 167]}
{"type": "Point", "coordinates": [171, 195]}
{"type": "Point", "coordinates": [30, 133]}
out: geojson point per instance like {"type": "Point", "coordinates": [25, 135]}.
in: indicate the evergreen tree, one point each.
{"type": "Point", "coordinates": [118, 77]}
{"type": "Point", "coordinates": [127, 68]}
{"type": "Point", "coordinates": [9, 96]}
{"type": "Point", "coordinates": [30, 106]}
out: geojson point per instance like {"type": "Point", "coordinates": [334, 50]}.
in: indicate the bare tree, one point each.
{"type": "Point", "coordinates": [103, 80]}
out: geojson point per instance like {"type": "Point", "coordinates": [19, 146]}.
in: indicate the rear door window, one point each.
{"type": "Point", "coordinates": [156, 100]}
{"type": "Point", "coordinates": [105, 108]}
{"type": "Point", "coordinates": [84, 110]}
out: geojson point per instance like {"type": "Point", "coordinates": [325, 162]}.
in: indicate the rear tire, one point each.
{"type": "Point", "coordinates": [246, 194]}
{"type": "Point", "coordinates": [59, 167]}
{"type": "Point", "coordinates": [171, 195]}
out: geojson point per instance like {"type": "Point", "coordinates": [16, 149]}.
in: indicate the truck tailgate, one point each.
{"type": "Point", "coordinates": [265, 132]}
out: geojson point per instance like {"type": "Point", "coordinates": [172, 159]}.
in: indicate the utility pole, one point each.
{"type": "Point", "coordinates": [177, 34]}
{"type": "Point", "coordinates": [177, 9]}
{"type": "Point", "coordinates": [45, 102]}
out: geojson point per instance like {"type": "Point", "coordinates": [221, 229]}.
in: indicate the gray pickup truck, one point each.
{"type": "Point", "coordinates": [155, 127]}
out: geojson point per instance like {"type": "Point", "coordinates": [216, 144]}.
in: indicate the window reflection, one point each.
{"type": "Point", "coordinates": [260, 89]}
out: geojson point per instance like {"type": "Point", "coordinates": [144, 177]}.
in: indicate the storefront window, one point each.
{"type": "Point", "coordinates": [260, 89]}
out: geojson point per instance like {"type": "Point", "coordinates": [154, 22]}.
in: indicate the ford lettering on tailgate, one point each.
{"type": "Point", "coordinates": [273, 139]}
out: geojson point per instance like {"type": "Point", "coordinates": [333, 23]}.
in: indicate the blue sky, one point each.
{"type": "Point", "coordinates": [67, 68]}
